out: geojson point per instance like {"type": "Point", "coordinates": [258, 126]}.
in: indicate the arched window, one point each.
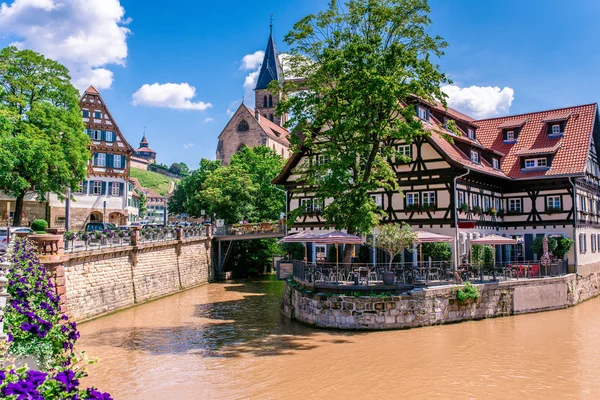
{"type": "Point", "coordinates": [270, 101]}
{"type": "Point", "coordinates": [271, 117]}
{"type": "Point", "coordinates": [265, 101]}
{"type": "Point", "coordinates": [243, 126]}
{"type": "Point", "coordinates": [240, 147]}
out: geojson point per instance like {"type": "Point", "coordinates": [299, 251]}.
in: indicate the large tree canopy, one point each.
{"type": "Point", "coordinates": [361, 64]}
{"type": "Point", "coordinates": [42, 141]}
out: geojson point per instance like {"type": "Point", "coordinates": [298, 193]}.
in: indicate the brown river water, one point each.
{"type": "Point", "coordinates": [229, 341]}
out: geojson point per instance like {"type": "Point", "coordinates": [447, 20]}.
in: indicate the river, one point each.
{"type": "Point", "coordinates": [229, 341]}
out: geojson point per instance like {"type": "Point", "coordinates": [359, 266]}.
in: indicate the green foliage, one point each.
{"type": "Point", "coordinates": [468, 291]}
{"type": "Point", "coordinates": [190, 201]}
{"type": "Point", "coordinates": [176, 203]}
{"type": "Point", "coordinates": [143, 208]}
{"type": "Point", "coordinates": [538, 245]}
{"type": "Point", "coordinates": [39, 225]}
{"type": "Point", "coordinates": [395, 238]}
{"type": "Point", "coordinates": [362, 63]}
{"type": "Point", "coordinates": [441, 251]}
{"type": "Point", "coordinates": [481, 255]}
{"type": "Point", "coordinates": [42, 140]}
{"type": "Point", "coordinates": [251, 257]}
{"type": "Point", "coordinates": [363, 253]}
{"type": "Point", "coordinates": [153, 180]}
{"type": "Point", "coordinates": [331, 254]}
{"type": "Point", "coordinates": [294, 251]}
{"type": "Point", "coordinates": [563, 246]}
{"type": "Point", "coordinates": [179, 169]}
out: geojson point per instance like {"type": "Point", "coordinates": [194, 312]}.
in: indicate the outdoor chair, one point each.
{"type": "Point", "coordinates": [433, 274]}
{"type": "Point", "coordinates": [373, 276]}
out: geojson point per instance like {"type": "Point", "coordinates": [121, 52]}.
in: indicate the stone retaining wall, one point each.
{"type": "Point", "coordinates": [101, 281]}
{"type": "Point", "coordinates": [438, 305]}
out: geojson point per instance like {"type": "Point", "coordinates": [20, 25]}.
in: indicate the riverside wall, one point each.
{"type": "Point", "coordinates": [96, 282]}
{"type": "Point", "coordinates": [437, 305]}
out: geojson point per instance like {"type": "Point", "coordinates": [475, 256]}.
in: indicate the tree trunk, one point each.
{"type": "Point", "coordinates": [18, 210]}
{"type": "Point", "coordinates": [347, 254]}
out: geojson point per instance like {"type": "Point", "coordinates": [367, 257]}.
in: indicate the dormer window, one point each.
{"type": "Point", "coordinates": [536, 163]}
{"type": "Point", "coordinates": [510, 135]}
{"type": "Point", "coordinates": [471, 133]}
{"type": "Point", "coordinates": [556, 129]}
{"type": "Point", "coordinates": [475, 157]}
{"type": "Point", "coordinates": [422, 113]}
{"type": "Point", "coordinates": [495, 163]}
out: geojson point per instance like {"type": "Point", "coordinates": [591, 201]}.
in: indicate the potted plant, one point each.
{"type": "Point", "coordinates": [501, 212]}
{"type": "Point", "coordinates": [492, 211]}
{"type": "Point", "coordinates": [393, 239]}
{"type": "Point", "coordinates": [70, 237]}
{"type": "Point", "coordinates": [476, 210]}
{"type": "Point", "coordinates": [464, 207]}
{"type": "Point", "coordinates": [109, 235]}
{"type": "Point", "coordinates": [86, 237]}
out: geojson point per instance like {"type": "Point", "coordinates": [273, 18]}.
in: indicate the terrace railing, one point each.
{"type": "Point", "coordinates": [427, 273]}
{"type": "Point", "coordinates": [260, 228]}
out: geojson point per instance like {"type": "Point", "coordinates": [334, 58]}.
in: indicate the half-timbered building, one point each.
{"type": "Point", "coordinates": [520, 176]}
{"type": "Point", "coordinates": [103, 196]}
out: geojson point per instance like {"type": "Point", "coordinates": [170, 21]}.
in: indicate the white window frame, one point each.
{"type": "Point", "coordinates": [510, 135]}
{"type": "Point", "coordinates": [109, 136]}
{"type": "Point", "coordinates": [422, 113]}
{"type": "Point", "coordinates": [97, 112]}
{"type": "Point", "coordinates": [536, 163]}
{"type": "Point", "coordinates": [471, 133]}
{"type": "Point", "coordinates": [553, 202]}
{"type": "Point", "coordinates": [97, 187]}
{"type": "Point", "coordinates": [474, 156]}
{"type": "Point", "coordinates": [101, 159]}
{"type": "Point", "coordinates": [322, 159]}
{"type": "Point", "coordinates": [117, 161]}
{"type": "Point", "coordinates": [306, 204]}
{"type": "Point", "coordinates": [497, 204]}
{"type": "Point", "coordinates": [514, 205]}
{"type": "Point", "coordinates": [378, 198]}
{"type": "Point", "coordinates": [405, 150]}
{"type": "Point", "coordinates": [428, 198]}
{"type": "Point", "coordinates": [113, 192]}
{"type": "Point", "coordinates": [411, 198]}
{"type": "Point", "coordinates": [474, 200]}
{"type": "Point", "coordinates": [97, 135]}
{"type": "Point", "coordinates": [495, 163]}
{"type": "Point", "coordinates": [557, 131]}
{"type": "Point", "coordinates": [461, 198]}
{"type": "Point", "coordinates": [583, 203]}
{"type": "Point", "coordinates": [318, 205]}
{"type": "Point", "coordinates": [80, 188]}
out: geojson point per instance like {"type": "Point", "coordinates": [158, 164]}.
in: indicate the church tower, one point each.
{"type": "Point", "coordinates": [265, 101]}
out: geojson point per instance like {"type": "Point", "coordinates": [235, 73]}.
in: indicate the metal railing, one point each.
{"type": "Point", "coordinates": [250, 229]}
{"type": "Point", "coordinates": [434, 272]}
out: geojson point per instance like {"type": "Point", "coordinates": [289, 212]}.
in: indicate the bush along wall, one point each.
{"type": "Point", "coordinates": [38, 330]}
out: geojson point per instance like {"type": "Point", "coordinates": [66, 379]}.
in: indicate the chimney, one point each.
{"type": "Point", "coordinates": [256, 114]}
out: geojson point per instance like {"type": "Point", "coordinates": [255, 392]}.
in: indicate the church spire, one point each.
{"type": "Point", "coordinates": [270, 69]}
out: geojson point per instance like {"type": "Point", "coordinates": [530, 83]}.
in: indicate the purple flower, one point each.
{"type": "Point", "coordinates": [67, 378]}
{"type": "Point", "coordinates": [96, 395]}
{"type": "Point", "coordinates": [36, 377]}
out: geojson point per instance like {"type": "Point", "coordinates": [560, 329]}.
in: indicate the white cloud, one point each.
{"type": "Point", "coordinates": [252, 61]}
{"type": "Point", "coordinates": [177, 96]}
{"type": "Point", "coordinates": [207, 120]}
{"type": "Point", "coordinates": [232, 107]}
{"type": "Point", "coordinates": [480, 101]}
{"type": "Point", "coordinates": [188, 145]}
{"type": "Point", "coordinates": [84, 35]}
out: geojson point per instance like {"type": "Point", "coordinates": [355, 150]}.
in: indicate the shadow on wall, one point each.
{"type": "Point", "coordinates": [252, 325]}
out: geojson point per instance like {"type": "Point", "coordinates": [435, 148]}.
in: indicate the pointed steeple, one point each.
{"type": "Point", "coordinates": [270, 69]}
{"type": "Point", "coordinates": [144, 141]}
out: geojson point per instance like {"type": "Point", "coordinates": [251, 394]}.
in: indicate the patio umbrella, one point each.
{"type": "Point", "coordinates": [300, 237]}
{"type": "Point", "coordinates": [493, 240]}
{"type": "Point", "coordinates": [323, 237]}
{"type": "Point", "coordinates": [430, 237]}
{"type": "Point", "coordinates": [545, 260]}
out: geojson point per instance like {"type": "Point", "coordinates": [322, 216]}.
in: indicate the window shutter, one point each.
{"type": "Point", "coordinates": [85, 187]}
{"type": "Point", "coordinates": [110, 160]}
{"type": "Point", "coordinates": [103, 135]}
{"type": "Point", "coordinates": [103, 187]}
{"type": "Point", "coordinates": [95, 158]}
{"type": "Point", "coordinates": [121, 188]}
{"type": "Point", "coordinates": [110, 186]}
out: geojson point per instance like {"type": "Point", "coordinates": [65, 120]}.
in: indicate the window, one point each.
{"type": "Point", "coordinates": [265, 101]}
{"type": "Point", "coordinates": [97, 188]}
{"type": "Point", "coordinates": [514, 205]}
{"type": "Point", "coordinates": [318, 205]}
{"type": "Point", "coordinates": [428, 198]}
{"type": "Point", "coordinates": [582, 243]}
{"type": "Point", "coordinates": [475, 200]}
{"type": "Point", "coordinates": [475, 157]}
{"type": "Point", "coordinates": [114, 191]}
{"type": "Point", "coordinates": [306, 204]}
{"type": "Point", "coordinates": [97, 135]}
{"type": "Point", "coordinates": [322, 159]}
{"type": "Point", "coordinates": [593, 241]}
{"type": "Point", "coordinates": [598, 242]}
{"type": "Point", "coordinates": [497, 204]}
{"type": "Point", "coordinates": [471, 133]}
{"type": "Point", "coordinates": [412, 199]}
{"type": "Point", "coordinates": [583, 203]}
{"type": "Point", "coordinates": [486, 203]}
{"type": "Point", "coordinates": [243, 126]}
{"type": "Point", "coordinates": [405, 150]}
{"type": "Point", "coordinates": [85, 113]}
{"type": "Point", "coordinates": [461, 198]}
{"type": "Point", "coordinates": [80, 188]}
{"type": "Point", "coordinates": [109, 136]}
{"type": "Point", "coordinates": [117, 161]}
{"type": "Point", "coordinates": [495, 163]}
{"type": "Point", "coordinates": [97, 114]}
{"type": "Point", "coordinates": [422, 113]}
{"type": "Point", "coordinates": [556, 129]}
{"type": "Point", "coordinates": [536, 163]}
{"type": "Point", "coordinates": [270, 101]}
{"type": "Point", "coordinates": [510, 135]}
{"type": "Point", "coordinates": [100, 159]}
{"type": "Point", "coordinates": [553, 202]}
{"type": "Point", "coordinates": [378, 198]}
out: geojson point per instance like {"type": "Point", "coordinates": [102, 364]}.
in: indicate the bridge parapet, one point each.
{"type": "Point", "coordinates": [273, 229]}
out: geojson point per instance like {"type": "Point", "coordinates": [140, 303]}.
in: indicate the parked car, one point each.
{"type": "Point", "coordinates": [123, 227]}
{"type": "Point", "coordinates": [98, 226]}
{"type": "Point", "coordinates": [4, 238]}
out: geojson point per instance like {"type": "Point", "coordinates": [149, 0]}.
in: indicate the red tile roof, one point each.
{"type": "Point", "coordinates": [559, 116]}
{"type": "Point", "coordinates": [571, 149]}
{"type": "Point", "coordinates": [274, 131]}
{"type": "Point", "coordinates": [538, 150]}
{"type": "Point", "coordinates": [513, 122]}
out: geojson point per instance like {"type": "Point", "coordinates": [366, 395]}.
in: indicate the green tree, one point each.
{"type": "Point", "coordinates": [563, 247]}
{"type": "Point", "coordinates": [179, 169]}
{"type": "Point", "coordinates": [192, 185]}
{"type": "Point", "coordinates": [176, 203]}
{"type": "Point", "coordinates": [441, 251]}
{"type": "Point", "coordinates": [142, 209]}
{"type": "Point", "coordinates": [361, 65]}
{"type": "Point", "coordinates": [229, 193]}
{"type": "Point", "coordinates": [395, 238]}
{"type": "Point", "coordinates": [538, 245]}
{"type": "Point", "coordinates": [42, 140]}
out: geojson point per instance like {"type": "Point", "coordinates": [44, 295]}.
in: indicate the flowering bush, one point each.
{"type": "Point", "coordinates": [85, 236]}
{"type": "Point", "coordinates": [98, 235]}
{"type": "Point", "coordinates": [35, 325]}
{"type": "Point", "coordinates": [108, 233]}
{"type": "Point", "coordinates": [71, 235]}
{"type": "Point", "coordinates": [24, 383]}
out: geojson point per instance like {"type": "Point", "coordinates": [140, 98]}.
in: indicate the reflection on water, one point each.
{"type": "Point", "coordinates": [230, 341]}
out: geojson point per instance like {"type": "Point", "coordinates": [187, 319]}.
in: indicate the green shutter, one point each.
{"type": "Point", "coordinates": [85, 187]}
{"type": "Point", "coordinates": [110, 160]}
{"type": "Point", "coordinates": [121, 188]}
{"type": "Point", "coordinates": [103, 187]}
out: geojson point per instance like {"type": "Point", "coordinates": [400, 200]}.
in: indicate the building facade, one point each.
{"type": "Point", "coordinates": [520, 176]}
{"type": "Point", "coordinates": [261, 126]}
{"type": "Point", "coordinates": [103, 196]}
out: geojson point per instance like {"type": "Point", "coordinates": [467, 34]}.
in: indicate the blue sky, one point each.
{"type": "Point", "coordinates": [504, 57]}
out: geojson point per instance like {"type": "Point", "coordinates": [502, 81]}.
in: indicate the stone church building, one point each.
{"type": "Point", "coordinates": [261, 126]}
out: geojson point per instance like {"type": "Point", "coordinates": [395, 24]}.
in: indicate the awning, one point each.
{"type": "Point", "coordinates": [493, 240]}
{"type": "Point", "coordinates": [323, 237]}
{"type": "Point", "coordinates": [429, 237]}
